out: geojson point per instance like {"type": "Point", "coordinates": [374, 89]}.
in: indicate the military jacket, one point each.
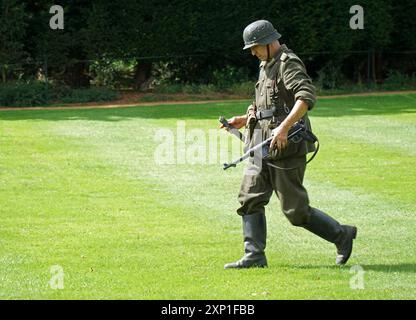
{"type": "Point", "coordinates": [283, 80]}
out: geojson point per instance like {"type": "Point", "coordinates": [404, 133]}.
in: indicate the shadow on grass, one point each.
{"type": "Point", "coordinates": [388, 268]}
{"type": "Point", "coordinates": [337, 107]}
{"type": "Point", "coordinates": [400, 267]}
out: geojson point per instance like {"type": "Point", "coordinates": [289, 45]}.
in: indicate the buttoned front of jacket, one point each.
{"type": "Point", "coordinates": [283, 80]}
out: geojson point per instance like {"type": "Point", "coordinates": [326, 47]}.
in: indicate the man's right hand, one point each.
{"type": "Point", "coordinates": [237, 122]}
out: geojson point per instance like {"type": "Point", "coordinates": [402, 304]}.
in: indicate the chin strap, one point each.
{"type": "Point", "coordinates": [268, 52]}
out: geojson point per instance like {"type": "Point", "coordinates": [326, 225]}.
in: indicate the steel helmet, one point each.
{"type": "Point", "coordinates": [260, 32]}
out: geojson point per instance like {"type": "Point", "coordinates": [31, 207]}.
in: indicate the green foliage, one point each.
{"type": "Point", "coordinates": [64, 51]}
{"type": "Point", "coordinates": [330, 77]}
{"type": "Point", "coordinates": [176, 88]}
{"type": "Point", "coordinates": [224, 77]}
{"type": "Point", "coordinates": [403, 33]}
{"type": "Point", "coordinates": [12, 35]}
{"type": "Point", "coordinates": [148, 97]}
{"type": "Point", "coordinates": [111, 73]}
{"type": "Point", "coordinates": [37, 93]}
{"type": "Point", "coordinates": [242, 89]}
{"type": "Point", "coordinates": [22, 94]}
{"type": "Point", "coordinates": [207, 89]}
{"type": "Point", "coordinates": [201, 40]}
{"type": "Point", "coordinates": [169, 88]}
{"type": "Point", "coordinates": [90, 95]}
{"type": "Point", "coordinates": [203, 89]}
{"type": "Point", "coordinates": [397, 80]}
{"type": "Point", "coordinates": [191, 89]}
{"type": "Point", "coordinates": [167, 79]}
{"type": "Point", "coordinates": [164, 72]}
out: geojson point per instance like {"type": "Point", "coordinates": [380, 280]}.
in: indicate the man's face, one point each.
{"type": "Point", "coordinates": [260, 52]}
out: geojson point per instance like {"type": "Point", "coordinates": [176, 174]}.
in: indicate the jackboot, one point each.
{"type": "Point", "coordinates": [255, 233]}
{"type": "Point", "coordinates": [329, 229]}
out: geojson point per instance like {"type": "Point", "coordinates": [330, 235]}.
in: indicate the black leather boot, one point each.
{"type": "Point", "coordinates": [344, 246]}
{"type": "Point", "coordinates": [329, 229]}
{"type": "Point", "coordinates": [255, 233]}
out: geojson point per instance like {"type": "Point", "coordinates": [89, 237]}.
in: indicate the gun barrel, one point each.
{"type": "Point", "coordinates": [297, 127]}
{"type": "Point", "coordinates": [248, 153]}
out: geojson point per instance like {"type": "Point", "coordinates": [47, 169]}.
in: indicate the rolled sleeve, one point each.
{"type": "Point", "coordinates": [297, 80]}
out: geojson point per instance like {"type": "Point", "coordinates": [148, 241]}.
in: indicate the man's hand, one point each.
{"type": "Point", "coordinates": [280, 133]}
{"type": "Point", "coordinates": [279, 137]}
{"type": "Point", "coordinates": [237, 122]}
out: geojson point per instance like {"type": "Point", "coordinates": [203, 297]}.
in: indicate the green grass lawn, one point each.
{"type": "Point", "coordinates": [81, 189]}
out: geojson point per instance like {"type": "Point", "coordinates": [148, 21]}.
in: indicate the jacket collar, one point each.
{"type": "Point", "coordinates": [270, 63]}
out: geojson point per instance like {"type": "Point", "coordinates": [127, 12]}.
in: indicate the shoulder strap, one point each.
{"type": "Point", "coordinates": [280, 84]}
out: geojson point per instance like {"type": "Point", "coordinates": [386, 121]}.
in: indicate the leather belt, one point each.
{"type": "Point", "coordinates": [273, 112]}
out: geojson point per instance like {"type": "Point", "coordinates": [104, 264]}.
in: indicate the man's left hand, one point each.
{"type": "Point", "coordinates": [279, 138]}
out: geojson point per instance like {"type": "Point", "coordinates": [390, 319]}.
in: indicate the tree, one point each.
{"type": "Point", "coordinates": [195, 37]}
{"type": "Point", "coordinates": [12, 34]}
{"type": "Point", "coordinates": [59, 52]}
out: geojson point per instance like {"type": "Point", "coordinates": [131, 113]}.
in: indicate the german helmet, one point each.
{"type": "Point", "coordinates": [260, 32]}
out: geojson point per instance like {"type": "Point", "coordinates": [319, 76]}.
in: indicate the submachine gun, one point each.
{"type": "Point", "coordinates": [297, 133]}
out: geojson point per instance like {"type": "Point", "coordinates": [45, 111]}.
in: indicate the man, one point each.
{"type": "Point", "coordinates": [284, 94]}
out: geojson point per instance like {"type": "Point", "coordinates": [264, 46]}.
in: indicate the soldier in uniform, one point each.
{"type": "Point", "coordinates": [284, 95]}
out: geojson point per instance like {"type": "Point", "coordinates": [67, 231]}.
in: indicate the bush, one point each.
{"type": "Point", "coordinates": [23, 94]}
{"type": "Point", "coordinates": [330, 77]}
{"type": "Point", "coordinates": [243, 89]}
{"type": "Point", "coordinates": [36, 94]}
{"type": "Point", "coordinates": [113, 74]}
{"type": "Point", "coordinates": [169, 88]}
{"type": "Point", "coordinates": [90, 95]}
{"type": "Point", "coordinates": [229, 75]}
{"type": "Point", "coordinates": [208, 89]}
{"type": "Point", "coordinates": [397, 80]}
{"type": "Point", "coordinates": [191, 89]}
{"type": "Point", "coordinates": [164, 73]}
